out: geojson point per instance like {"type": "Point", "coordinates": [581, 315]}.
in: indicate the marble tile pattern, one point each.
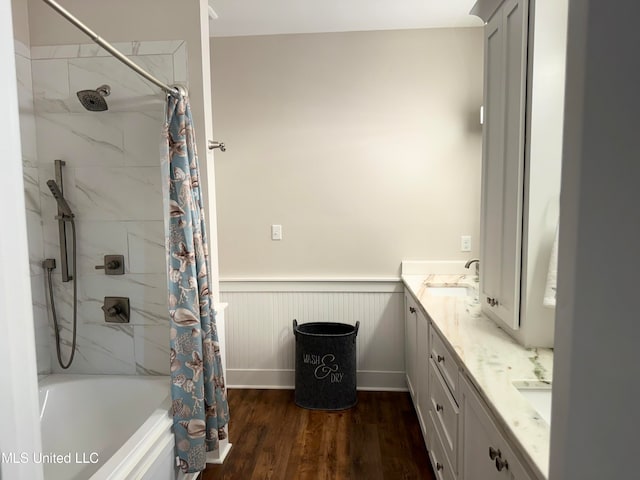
{"type": "Point", "coordinates": [24, 79]}
{"type": "Point", "coordinates": [112, 182]}
{"type": "Point", "coordinates": [492, 361]}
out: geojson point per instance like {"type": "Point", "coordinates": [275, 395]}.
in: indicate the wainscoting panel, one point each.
{"type": "Point", "coordinates": [259, 322]}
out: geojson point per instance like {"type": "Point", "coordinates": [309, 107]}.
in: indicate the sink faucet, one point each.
{"type": "Point", "coordinates": [470, 262]}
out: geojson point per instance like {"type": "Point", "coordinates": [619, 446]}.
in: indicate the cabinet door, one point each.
{"type": "Point", "coordinates": [503, 161]}
{"type": "Point", "coordinates": [486, 455]}
{"type": "Point", "coordinates": [410, 346]}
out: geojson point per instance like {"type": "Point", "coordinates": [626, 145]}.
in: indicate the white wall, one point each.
{"type": "Point", "coordinates": [594, 432]}
{"type": "Point", "coordinates": [31, 183]}
{"type": "Point", "coordinates": [19, 422]}
{"type": "Point", "coordinates": [364, 146]}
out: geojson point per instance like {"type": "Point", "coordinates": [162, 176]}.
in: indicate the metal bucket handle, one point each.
{"type": "Point", "coordinates": [357, 327]}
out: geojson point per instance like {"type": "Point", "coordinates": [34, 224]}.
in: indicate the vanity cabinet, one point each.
{"type": "Point", "coordinates": [485, 453]}
{"type": "Point", "coordinates": [422, 370]}
{"type": "Point", "coordinates": [410, 343]}
{"type": "Point", "coordinates": [444, 414]}
{"type": "Point", "coordinates": [503, 160]}
{"type": "Point", "coordinates": [417, 359]}
{"type": "Point", "coordinates": [461, 435]}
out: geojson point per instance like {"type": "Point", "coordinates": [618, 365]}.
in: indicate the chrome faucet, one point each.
{"type": "Point", "coordinates": [470, 262]}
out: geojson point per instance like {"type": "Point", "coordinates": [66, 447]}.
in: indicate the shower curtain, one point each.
{"type": "Point", "coordinates": [200, 409]}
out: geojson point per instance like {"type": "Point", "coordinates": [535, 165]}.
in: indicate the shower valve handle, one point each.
{"type": "Point", "coordinates": [113, 265]}
{"type": "Point", "coordinates": [116, 309]}
{"type": "Point", "coordinates": [108, 266]}
{"type": "Point", "coordinates": [116, 312]}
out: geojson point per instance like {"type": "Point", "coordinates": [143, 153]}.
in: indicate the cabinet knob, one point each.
{"type": "Point", "coordinates": [439, 407]}
{"type": "Point", "coordinates": [501, 464]}
{"type": "Point", "coordinates": [439, 466]}
{"type": "Point", "coordinates": [493, 453]}
{"type": "Point", "coordinates": [440, 359]}
{"type": "Point", "coordinates": [412, 310]}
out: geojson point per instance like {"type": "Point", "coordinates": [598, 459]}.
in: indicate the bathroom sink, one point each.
{"type": "Point", "coordinates": [448, 290]}
{"type": "Point", "coordinates": [538, 394]}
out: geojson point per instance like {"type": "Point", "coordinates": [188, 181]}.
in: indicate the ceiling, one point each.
{"type": "Point", "coordinates": [272, 17]}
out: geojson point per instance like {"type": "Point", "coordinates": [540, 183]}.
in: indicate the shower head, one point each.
{"type": "Point", "coordinates": [64, 207]}
{"type": "Point", "coordinates": [93, 100]}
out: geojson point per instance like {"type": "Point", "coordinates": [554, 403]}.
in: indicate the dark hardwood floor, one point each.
{"type": "Point", "coordinates": [273, 438]}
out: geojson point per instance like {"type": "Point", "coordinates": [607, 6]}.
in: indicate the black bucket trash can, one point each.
{"type": "Point", "coordinates": [325, 365]}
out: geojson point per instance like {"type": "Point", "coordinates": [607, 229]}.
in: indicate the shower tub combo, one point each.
{"type": "Point", "coordinates": [103, 427]}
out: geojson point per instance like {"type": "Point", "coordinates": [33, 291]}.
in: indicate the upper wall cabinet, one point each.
{"type": "Point", "coordinates": [503, 160]}
{"type": "Point", "coordinates": [525, 53]}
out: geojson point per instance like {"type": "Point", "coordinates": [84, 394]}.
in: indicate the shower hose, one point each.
{"type": "Point", "coordinates": [75, 304]}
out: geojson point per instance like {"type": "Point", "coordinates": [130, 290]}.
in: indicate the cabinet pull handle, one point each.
{"type": "Point", "coordinates": [412, 310]}
{"type": "Point", "coordinates": [439, 407]}
{"type": "Point", "coordinates": [492, 301]}
{"type": "Point", "coordinates": [439, 466]}
{"type": "Point", "coordinates": [501, 464]}
{"type": "Point", "coordinates": [493, 453]}
{"type": "Point", "coordinates": [440, 359]}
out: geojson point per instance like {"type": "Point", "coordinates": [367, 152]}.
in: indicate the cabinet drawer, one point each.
{"type": "Point", "coordinates": [486, 453]}
{"type": "Point", "coordinates": [444, 360]}
{"type": "Point", "coordinates": [439, 461]}
{"type": "Point", "coordinates": [445, 413]}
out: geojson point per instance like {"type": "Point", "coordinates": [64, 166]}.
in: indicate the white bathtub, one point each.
{"type": "Point", "coordinates": [103, 427]}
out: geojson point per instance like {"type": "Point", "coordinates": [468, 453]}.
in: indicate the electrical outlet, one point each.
{"type": "Point", "coordinates": [465, 243]}
{"type": "Point", "coordinates": [276, 232]}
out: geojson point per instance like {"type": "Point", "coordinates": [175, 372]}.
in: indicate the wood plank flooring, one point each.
{"type": "Point", "coordinates": [378, 439]}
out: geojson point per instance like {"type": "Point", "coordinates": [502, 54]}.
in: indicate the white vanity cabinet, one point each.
{"type": "Point", "coordinates": [422, 371]}
{"type": "Point", "coordinates": [444, 414]}
{"type": "Point", "coordinates": [485, 453]}
{"type": "Point", "coordinates": [417, 358]}
{"type": "Point", "coordinates": [459, 431]}
{"type": "Point", "coordinates": [410, 343]}
{"type": "Point", "coordinates": [503, 160]}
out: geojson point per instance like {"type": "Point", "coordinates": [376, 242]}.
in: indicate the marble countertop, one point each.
{"type": "Point", "coordinates": [492, 361]}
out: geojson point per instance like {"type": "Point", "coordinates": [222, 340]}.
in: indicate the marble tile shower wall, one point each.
{"type": "Point", "coordinates": [112, 182]}
{"type": "Point", "coordinates": [32, 203]}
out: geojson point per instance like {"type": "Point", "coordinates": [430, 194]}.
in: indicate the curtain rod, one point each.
{"type": "Point", "coordinates": [175, 91]}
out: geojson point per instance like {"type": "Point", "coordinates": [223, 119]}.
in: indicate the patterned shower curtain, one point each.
{"type": "Point", "coordinates": [200, 409]}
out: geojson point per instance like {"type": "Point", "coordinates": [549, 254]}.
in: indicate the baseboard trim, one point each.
{"type": "Point", "coordinates": [285, 380]}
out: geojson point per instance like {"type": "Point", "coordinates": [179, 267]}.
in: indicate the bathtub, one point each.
{"type": "Point", "coordinates": [103, 427]}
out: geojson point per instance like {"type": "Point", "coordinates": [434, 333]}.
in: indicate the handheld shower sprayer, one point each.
{"type": "Point", "coordinates": [65, 216]}
{"type": "Point", "coordinates": [64, 207]}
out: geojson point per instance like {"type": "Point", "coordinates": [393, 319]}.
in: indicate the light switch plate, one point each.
{"type": "Point", "coordinates": [465, 243]}
{"type": "Point", "coordinates": [276, 232]}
